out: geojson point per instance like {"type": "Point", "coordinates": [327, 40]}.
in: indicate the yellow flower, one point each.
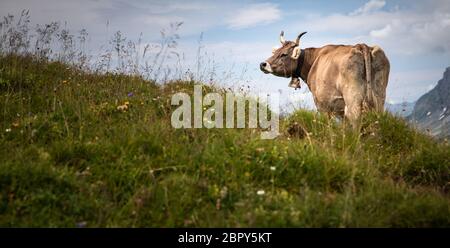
{"type": "Point", "coordinates": [122, 107]}
{"type": "Point", "coordinates": [126, 103]}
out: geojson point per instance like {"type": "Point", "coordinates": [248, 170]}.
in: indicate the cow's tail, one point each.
{"type": "Point", "coordinates": [370, 97]}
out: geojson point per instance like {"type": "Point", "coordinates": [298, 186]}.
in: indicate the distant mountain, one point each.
{"type": "Point", "coordinates": [401, 109]}
{"type": "Point", "coordinates": [431, 112]}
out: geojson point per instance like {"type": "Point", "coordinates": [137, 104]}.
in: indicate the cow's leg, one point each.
{"type": "Point", "coordinates": [352, 82]}
{"type": "Point", "coordinates": [352, 113]}
{"type": "Point", "coordinates": [353, 106]}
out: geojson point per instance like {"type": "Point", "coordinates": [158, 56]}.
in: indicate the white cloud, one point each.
{"type": "Point", "coordinates": [381, 33]}
{"type": "Point", "coordinates": [412, 31]}
{"type": "Point", "coordinates": [371, 6]}
{"type": "Point", "coordinates": [255, 14]}
{"type": "Point", "coordinates": [415, 37]}
{"type": "Point", "coordinates": [241, 51]}
{"type": "Point", "coordinates": [131, 17]}
{"type": "Point", "coordinates": [192, 6]}
{"type": "Point", "coordinates": [346, 24]}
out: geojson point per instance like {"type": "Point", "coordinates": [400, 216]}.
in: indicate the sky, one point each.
{"type": "Point", "coordinates": [239, 35]}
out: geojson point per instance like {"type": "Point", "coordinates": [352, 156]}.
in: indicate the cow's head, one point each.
{"type": "Point", "coordinates": [284, 60]}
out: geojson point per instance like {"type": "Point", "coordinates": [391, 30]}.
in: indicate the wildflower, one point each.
{"type": "Point", "coordinates": [122, 107]}
{"type": "Point", "coordinates": [15, 124]}
{"type": "Point", "coordinates": [260, 192]}
{"type": "Point", "coordinates": [8, 130]}
{"type": "Point", "coordinates": [130, 94]}
{"type": "Point", "coordinates": [260, 149]}
{"type": "Point", "coordinates": [273, 168]}
{"type": "Point", "coordinates": [64, 81]}
{"type": "Point", "coordinates": [44, 155]}
{"type": "Point", "coordinates": [126, 103]}
{"type": "Point", "coordinates": [223, 192]}
{"type": "Point", "coordinates": [284, 194]}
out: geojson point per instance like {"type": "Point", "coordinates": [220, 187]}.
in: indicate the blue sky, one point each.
{"type": "Point", "coordinates": [240, 34]}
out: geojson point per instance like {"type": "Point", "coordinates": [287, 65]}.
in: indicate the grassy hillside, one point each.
{"type": "Point", "coordinates": [69, 157]}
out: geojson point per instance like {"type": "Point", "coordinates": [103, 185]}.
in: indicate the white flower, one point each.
{"type": "Point", "coordinates": [8, 130]}
{"type": "Point", "coordinates": [273, 168]}
{"type": "Point", "coordinates": [260, 192]}
{"type": "Point", "coordinates": [223, 192]}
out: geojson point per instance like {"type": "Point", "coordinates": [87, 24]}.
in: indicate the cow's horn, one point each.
{"type": "Point", "coordinates": [297, 41]}
{"type": "Point", "coordinates": [282, 40]}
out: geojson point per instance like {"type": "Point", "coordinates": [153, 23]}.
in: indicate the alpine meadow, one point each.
{"type": "Point", "coordinates": [86, 141]}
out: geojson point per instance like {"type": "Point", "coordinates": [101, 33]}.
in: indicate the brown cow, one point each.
{"type": "Point", "coordinates": [344, 80]}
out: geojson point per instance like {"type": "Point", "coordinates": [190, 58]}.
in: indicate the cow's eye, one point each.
{"type": "Point", "coordinates": [283, 54]}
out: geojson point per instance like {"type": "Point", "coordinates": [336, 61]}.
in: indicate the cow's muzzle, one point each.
{"type": "Point", "coordinates": [265, 67]}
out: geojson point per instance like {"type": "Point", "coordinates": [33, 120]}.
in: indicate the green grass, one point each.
{"type": "Point", "coordinates": [72, 159]}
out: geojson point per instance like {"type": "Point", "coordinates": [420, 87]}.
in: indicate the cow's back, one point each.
{"type": "Point", "coordinates": [327, 76]}
{"type": "Point", "coordinates": [338, 66]}
{"type": "Point", "coordinates": [334, 61]}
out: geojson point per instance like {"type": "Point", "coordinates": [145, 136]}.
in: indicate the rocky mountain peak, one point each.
{"type": "Point", "coordinates": [432, 111]}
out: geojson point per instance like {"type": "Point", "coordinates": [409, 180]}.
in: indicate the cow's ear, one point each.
{"type": "Point", "coordinates": [296, 52]}
{"type": "Point", "coordinates": [274, 49]}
